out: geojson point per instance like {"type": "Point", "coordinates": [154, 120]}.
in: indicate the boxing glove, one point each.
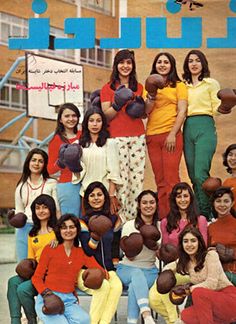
{"type": "Point", "coordinates": [60, 160]}
{"type": "Point", "coordinates": [152, 83]}
{"type": "Point", "coordinates": [98, 226]}
{"type": "Point", "coordinates": [93, 278]}
{"type": "Point", "coordinates": [165, 281]}
{"type": "Point", "coordinates": [132, 245]}
{"type": "Point", "coordinates": [95, 98]}
{"type": "Point", "coordinates": [167, 253]}
{"type": "Point", "coordinates": [179, 292]}
{"type": "Point", "coordinates": [52, 304]}
{"type": "Point", "coordinates": [26, 268]}
{"type": "Point", "coordinates": [136, 108]}
{"type": "Point", "coordinates": [17, 220]}
{"type": "Point", "coordinates": [211, 184]}
{"type": "Point", "coordinates": [226, 254]}
{"type": "Point", "coordinates": [151, 235]}
{"type": "Point", "coordinates": [72, 156]}
{"type": "Point", "coordinates": [228, 100]}
{"type": "Point", "coordinates": [121, 97]}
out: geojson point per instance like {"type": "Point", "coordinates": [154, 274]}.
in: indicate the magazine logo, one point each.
{"type": "Point", "coordinates": [84, 31]}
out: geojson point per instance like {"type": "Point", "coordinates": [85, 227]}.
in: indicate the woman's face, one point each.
{"type": "Point", "coordinates": [163, 65]}
{"type": "Point", "coordinates": [223, 205]}
{"type": "Point", "coordinates": [194, 65]}
{"type": "Point", "coordinates": [183, 199]}
{"type": "Point", "coordinates": [96, 199]}
{"type": "Point", "coordinates": [148, 206]}
{"type": "Point", "coordinates": [68, 230]}
{"type": "Point", "coordinates": [69, 119]}
{"type": "Point", "coordinates": [95, 124]}
{"type": "Point", "coordinates": [36, 164]}
{"type": "Point", "coordinates": [125, 67]}
{"type": "Point", "coordinates": [42, 212]}
{"type": "Point", "coordinates": [231, 159]}
{"type": "Point", "coordinates": [190, 244]}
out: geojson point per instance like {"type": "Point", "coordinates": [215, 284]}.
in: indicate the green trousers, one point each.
{"type": "Point", "coordinates": [199, 147]}
{"type": "Point", "coordinates": [20, 293]}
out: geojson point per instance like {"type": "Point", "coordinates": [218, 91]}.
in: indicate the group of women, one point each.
{"type": "Point", "coordinates": [107, 181]}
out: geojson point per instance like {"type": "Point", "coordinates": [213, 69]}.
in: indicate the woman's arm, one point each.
{"type": "Point", "coordinates": [164, 233]}
{"type": "Point", "coordinates": [84, 239]}
{"type": "Point", "coordinates": [39, 275]}
{"type": "Point", "coordinates": [31, 254]}
{"type": "Point", "coordinates": [53, 150]}
{"type": "Point", "coordinates": [108, 110]}
{"type": "Point", "coordinates": [19, 205]}
{"type": "Point", "coordinates": [202, 226]}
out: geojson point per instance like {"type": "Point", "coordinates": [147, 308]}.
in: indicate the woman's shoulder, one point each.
{"type": "Point", "coordinates": [212, 255]}
{"type": "Point", "coordinates": [212, 82]}
{"type": "Point", "coordinates": [202, 219]}
{"type": "Point", "coordinates": [51, 181]}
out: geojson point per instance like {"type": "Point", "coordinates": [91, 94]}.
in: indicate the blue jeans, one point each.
{"type": "Point", "coordinates": [74, 313]}
{"type": "Point", "coordinates": [69, 198]}
{"type": "Point", "coordinates": [139, 280]}
{"type": "Point", "coordinates": [22, 241]}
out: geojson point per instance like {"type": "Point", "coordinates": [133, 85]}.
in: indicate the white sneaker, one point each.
{"type": "Point", "coordinates": [149, 320]}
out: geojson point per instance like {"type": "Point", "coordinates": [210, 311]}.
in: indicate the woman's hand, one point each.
{"type": "Point", "coordinates": [170, 142]}
{"type": "Point", "coordinates": [114, 205]}
{"type": "Point", "coordinates": [53, 244]}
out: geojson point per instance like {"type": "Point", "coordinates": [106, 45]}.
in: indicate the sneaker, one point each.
{"type": "Point", "coordinates": [149, 320]}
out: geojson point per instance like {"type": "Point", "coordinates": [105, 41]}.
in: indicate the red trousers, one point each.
{"type": "Point", "coordinates": [165, 166]}
{"type": "Point", "coordinates": [211, 306]}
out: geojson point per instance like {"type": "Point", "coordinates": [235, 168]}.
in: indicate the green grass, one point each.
{"type": "Point", "coordinates": [7, 230]}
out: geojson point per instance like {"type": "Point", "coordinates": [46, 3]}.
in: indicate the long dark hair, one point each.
{"type": "Point", "coordinates": [89, 211]}
{"type": "Point", "coordinates": [218, 194]}
{"type": "Point", "coordinates": [225, 154]}
{"type": "Point", "coordinates": [172, 77]}
{"type": "Point", "coordinates": [85, 138]}
{"type": "Point", "coordinates": [60, 129]}
{"type": "Point", "coordinates": [182, 265]}
{"type": "Point", "coordinates": [26, 170]}
{"type": "Point", "coordinates": [48, 201]}
{"type": "Point", "coordinates": [138, 220]}
{"type": "Point", "coordinates": [187, 76]}
{"type": "Point", "coordinates": [59, 224]}
{"type": "Point", "coordinates": [114, 78]}
{"type": "Point", "coordinates": [174, 215]}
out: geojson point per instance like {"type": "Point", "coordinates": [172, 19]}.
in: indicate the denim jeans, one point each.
{"type": "Point", "coordinates": [22, 241]}
{"type": "Point", "coordinates": [138, 281]}
{"type": "Point", "coordinates": [74, 313]}
{"type": "Point", "coordinates": [69, 198]}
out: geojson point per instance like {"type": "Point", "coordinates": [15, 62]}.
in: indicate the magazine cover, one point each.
{"type": "Point", "coordinates": [118, 161]}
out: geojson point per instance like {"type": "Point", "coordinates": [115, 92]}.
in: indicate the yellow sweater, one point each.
{"type": "Point", "coordinates": [37, 243]}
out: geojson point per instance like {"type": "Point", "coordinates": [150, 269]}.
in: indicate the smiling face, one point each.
{"type": "Point", "coordinates": [68, 230]}
{"type": "Point", "coordinates": [231, 159]}
{"type": "Point", "coordinates": [194, 65]}
{"type": "Point", "coordinates": [36, 164]}
{"type": "Point", "coordinates": [96, 199]}
{"type": "Point", "coordinates": [190, 244]}
{"type": "Point", "coordinates": [42, 212]}
{"type": "Point", "coordinates": [69, 119]}
{"type": "Point", "coordinates": [163, 65]}
{"type": "Point", "coordinates": [148, 206]}
{"type": "Point", "coordinates": [125, 67]}
{"type": "Point", "coordinates": [223, 205]}
{"type": "Point", "coordinates": [95, 124]}
{"type": "Point", "coordinates": [183, 199]}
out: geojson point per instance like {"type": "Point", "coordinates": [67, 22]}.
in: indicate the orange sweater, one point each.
{"type": "Point", "coordinates": [223, 231]}
{"type": "Point", "coordinates": [62, 270]}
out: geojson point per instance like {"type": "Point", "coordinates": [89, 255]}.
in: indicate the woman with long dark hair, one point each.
{"type": "Point", "coordinates": [127, 132]}
{"type": "Point", "coordinates": [199, 128]}
{"type": "Point", "coordinates": [20, 291]}
{"type": "Point", "coordinates": [183, 212]}
{"type": "Point", "coordinates": [138, 273]}
{"type": "Point", "coordinates": [229, 161]}
{"type": "Point", "coordinates": [66, 133]}
{"type": "Point", "coordinates": [34, 181]}
{"type": "Point", "coordinates": [105, 250]}
{"type": "Point", "coordinates": [166, 113]}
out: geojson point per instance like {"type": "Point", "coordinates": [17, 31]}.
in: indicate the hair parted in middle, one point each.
{"type": "Point", "coordinates": [61, 222]}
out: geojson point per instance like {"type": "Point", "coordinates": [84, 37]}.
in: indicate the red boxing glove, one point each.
{"type": "Point", "coordinates": [211, 184]}
{"type": "Point", "coordinates": [93, 278]}
{"type": "Point", "coordinates": [179, 292]}
{"type": "Point", "coordinates": [26, 268]}
{"type": "Point", "coordinates": [165, 281]}
{"type": "Point", "coordinates": [16, 220]}
{"type": "Point", "coordinates": [228, 100]}
{"type": "Point", "coordinates": [152, 83]}
{"type": "Point", "coordinates": [52, 303]}
{"type": "Point", "coordinates": [151, 235]}
{"type": "Point", "coordinates": [168, 253]}
{"type": "Point", "coordinates": [132, 245]}
{"type": "Point", "coordinates": [98, 226]}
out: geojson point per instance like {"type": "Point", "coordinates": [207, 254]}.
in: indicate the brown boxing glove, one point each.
{"type": "Point", "coordinates": [52, 303]}
{"type": "Point", "coordinates": [211, 184]}
{"type": "Point", "coordinates": [165, 281]}
{"type": "Point", "coordinates": [17, 220]}
{"type": "Point", "coordinates": [98, 226]}
{"type": "Point", "coordinates": [226, 254]}
{"type": "Point", "coordinates": [179, 292]}
{"type": "Point", "coordinates": [228, 100]}
{"type": "Point", "coordinates": [93, 278]}
{"type": "Point", "coordinates": [152, 83]}
{"type": "Point", "coordinates": [132, 245]}
{"type": "Point", "coordinates": [151, 235]}
{"type": "Point", "coordinates": [168, 253]}
{"type": "Point", "coordinates": [26, 268]}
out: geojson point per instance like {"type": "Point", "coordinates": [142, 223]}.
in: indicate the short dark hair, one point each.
{"type": "Point", "coordinates": [219, 193]}
{"type": "Point", "coordinates": [138, 220]}
{"type": "Point", "coordinates": [205, 68]}
{"type": "Point", "coordinates": [182, 265]}
{"type": "Point", "coordinates": [59, 224]}
{"type": "Point", "coordinates": [225, 155]}
{"type": "Point", "coordinates": [106, 207]}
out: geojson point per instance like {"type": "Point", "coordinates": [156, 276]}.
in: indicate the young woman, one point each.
{"type": "Point", "coordinates": [214, 297]}
{"type": "Point", "coordinates": [229, 160]}
{"type": "Point", "coordinates": [62, 265]}
{"type": "Point", "coordinates": [183, 211]}
{"type": "Point", "coordinates": [223, 230]}
{"type": "Point", "coordinates": [34, 181]}
{"type": "Point", "coordinates": [66, 132]}
{"type": "Point", "coordinates": [166, 113]}
{"type": "Point", "coordinates": [100, 155]}
{"type": "Point", "coordinates": [105, 300]}
{"type": "Point", "coordinates": [140, 272]}
{"type": "Point", "coordinates": [199, 128]}
{"type": "Point", "coordinates": [127, 132]}
{"type": "Point", "coordinates": [21, 292]}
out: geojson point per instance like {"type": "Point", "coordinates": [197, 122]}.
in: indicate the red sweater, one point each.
{"type": "Point", "coordinates": [62, 270]}
{"type": "Point", "coordinates": [53, 150]}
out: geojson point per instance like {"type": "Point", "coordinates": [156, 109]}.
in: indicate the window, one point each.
{"type": "Point", "coordinates": [96, 56]}
{"type": "Point", "coordinates": [11, 97]}
{"type": "Point", "coordinates": [104, 6]}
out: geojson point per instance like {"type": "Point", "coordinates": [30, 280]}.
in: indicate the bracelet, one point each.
{"type": "Point", "coordinates": [152, 98]}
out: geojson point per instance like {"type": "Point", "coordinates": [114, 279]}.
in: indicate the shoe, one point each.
{"type": "Point", "coordinates": [149, 320]}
